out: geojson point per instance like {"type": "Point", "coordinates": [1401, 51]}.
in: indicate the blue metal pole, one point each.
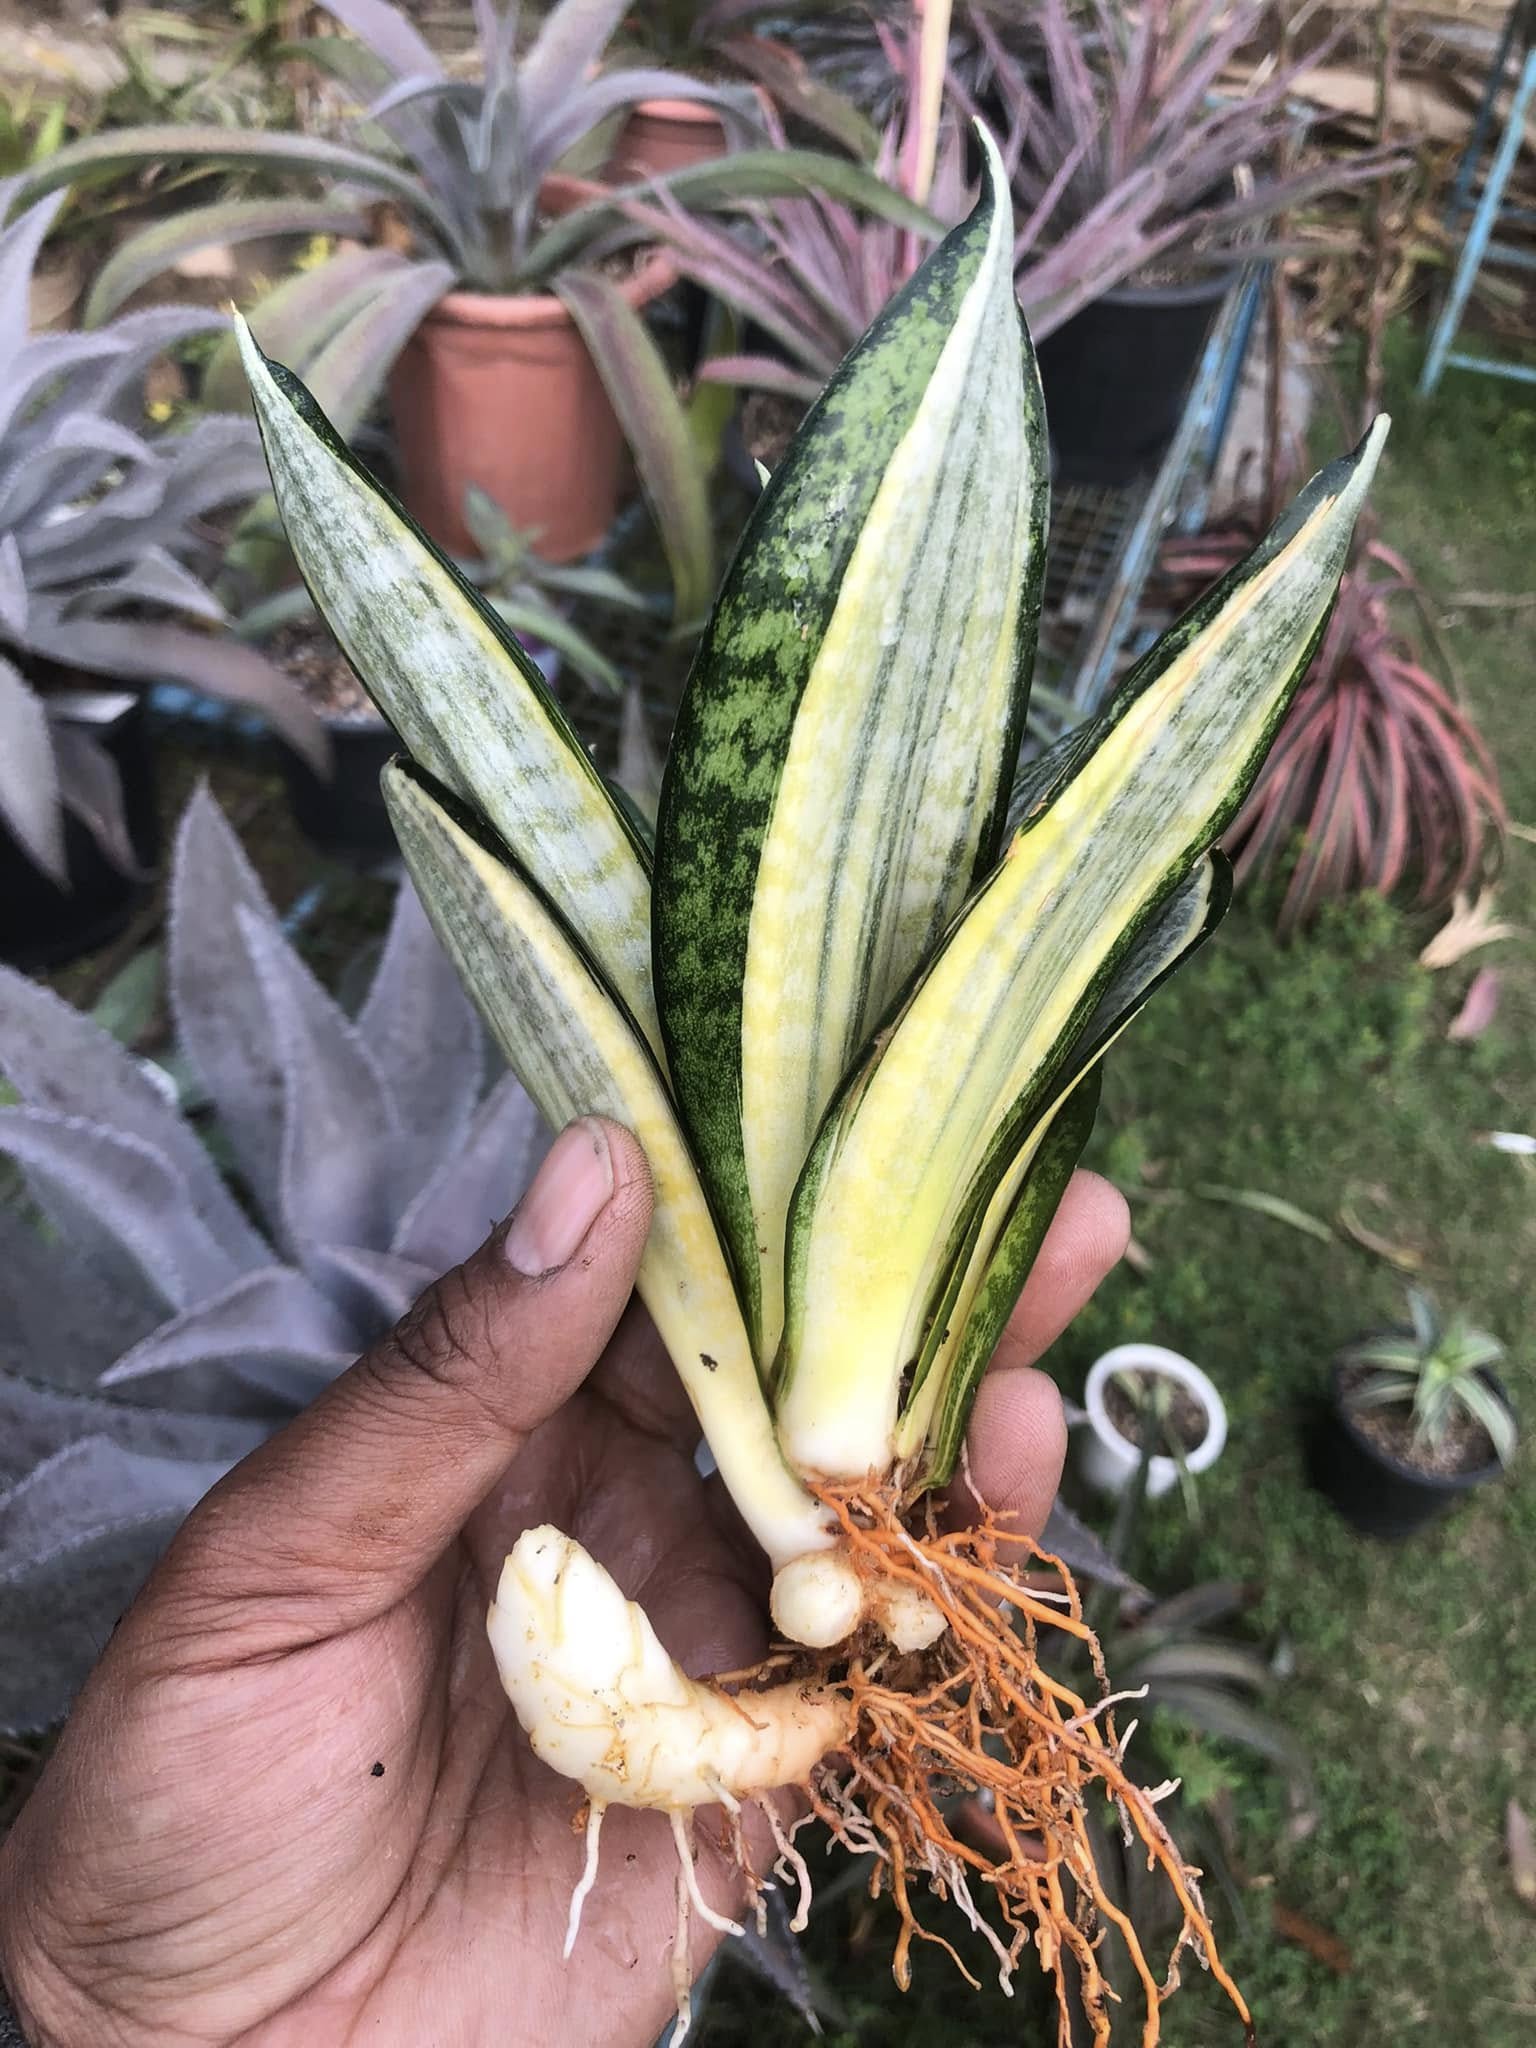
{"type": "Point", "coordinates": [1483, 222]}
{"type": "Point", "coordinates": [1472, 155]}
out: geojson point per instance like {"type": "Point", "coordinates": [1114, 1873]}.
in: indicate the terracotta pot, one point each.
{"type": "Point", "coordinates": [500, 391]}
{"type": "Point", "coordinates": [666, 135]}
{"type": "Point", "coordinates": [55, 289]}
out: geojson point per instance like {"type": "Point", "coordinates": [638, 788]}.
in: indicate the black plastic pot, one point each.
{"type": "Point", "coordinates": [42, 925]}
{"type": "Point", "coordinates": [1117, 374]}
{"type": "Point", "coordinates": [1374, 1492]}
{"type": "Point", "coordinates": [345, 816]}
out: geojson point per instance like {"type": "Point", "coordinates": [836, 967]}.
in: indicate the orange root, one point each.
{"type": "Point", "coordinates": [977, 1714]}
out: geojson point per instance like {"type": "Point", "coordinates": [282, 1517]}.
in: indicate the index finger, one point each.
{"type": "Point", "coordinates": [1017, 1439]}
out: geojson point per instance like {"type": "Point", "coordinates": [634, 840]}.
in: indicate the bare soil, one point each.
{"type": "Point", "coordinates": [1186, 1420]}
{"type": "Point", "coordinates": [769, 421]}
{"type": "Point", "coordinates": [310, 655]}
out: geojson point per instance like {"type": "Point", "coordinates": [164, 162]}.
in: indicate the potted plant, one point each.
{"type": "Point", "coordinates": [668, 134]}
{"type": "Point", "coordinates": [1380, 779]}
{"type": "Point", "coordinates": [1128, 169]}
{"type": "Point", "coordinates": [102, 538]}
{"type": "Point", "coordinates": [1416, 1419]}
{"type": "Point", "coordinates": [508, 330]}
{"type": "Point", "coordinates": [808, 272]}
{"type": "Point", "coordinates": [1138, 1394]}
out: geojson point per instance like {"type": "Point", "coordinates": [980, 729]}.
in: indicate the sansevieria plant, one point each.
{"type": "Point", "coordinates": [852, 1002]}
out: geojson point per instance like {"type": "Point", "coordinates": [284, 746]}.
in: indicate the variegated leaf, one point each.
{"type": "Point", "coordinates": [1012, 1223]}
{"type": "Point", "coordinates": [844, 750]}
{"type": "Point", "coordinates": [467, 702]}
{"type": "Point", "coordinates": [577, 1052]}
{"type": "Point", "coordinates": [952, 1087]}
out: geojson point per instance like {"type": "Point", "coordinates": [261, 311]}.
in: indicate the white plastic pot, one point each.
{"type": "Point", "coordinates": [1108, 1460]}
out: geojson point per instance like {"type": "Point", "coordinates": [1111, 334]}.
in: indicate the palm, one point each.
{"type": "Point", "coordinates": [428, 1901]}
{"type": "Point", "coordinates": [292, 1805]}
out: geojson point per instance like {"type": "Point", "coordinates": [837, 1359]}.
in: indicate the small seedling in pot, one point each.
{"type": "Point", "coordinates": [1422, 1395]}
{"type": "Point", "coordinates": [1164, 1419]}
{"type": "Point", "coordinates": [1415, 1420]}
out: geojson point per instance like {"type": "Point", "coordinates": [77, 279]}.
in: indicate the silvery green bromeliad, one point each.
{"type": "Point", "coordinates": [853, 1003]}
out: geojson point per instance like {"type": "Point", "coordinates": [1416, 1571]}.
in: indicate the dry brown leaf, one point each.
{"type": "Point", "coordinates": [1469, 926]}
{"type": "Point", "coordinates": [1479, 1007]}
{"type": "Point", "coordinates": [1402, 1256]}
{"type": "Point", "coordinates": [1520, 1849]}
{"type": "Point", "coordinates": [1419, 108]}
{"type": "Point", "coordinates": [1323, 1947]}
{"type": "Point", "coordinates": [1137, 1257]}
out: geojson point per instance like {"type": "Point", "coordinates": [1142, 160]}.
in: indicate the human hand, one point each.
{"type": "Point", "coordinates": [292, 1804]}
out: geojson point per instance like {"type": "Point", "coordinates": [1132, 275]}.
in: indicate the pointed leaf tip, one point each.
{"type": "Point", "coordinates": [995, 188]}
{"type": "Point", "coordinates": [467, 702]}
{"type": "Point", "coordinates": [841, 761]}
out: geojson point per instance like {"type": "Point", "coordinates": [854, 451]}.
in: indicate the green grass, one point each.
{"type": "Point", "coordinates": [1318, 1072]}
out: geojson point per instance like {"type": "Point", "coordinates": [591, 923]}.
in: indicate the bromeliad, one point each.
{"type": "Point", "coordinates": [853, 1003]}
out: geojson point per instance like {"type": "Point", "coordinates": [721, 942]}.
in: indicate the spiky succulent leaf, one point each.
{"type": "Point", "coordinates": [270, 1329]}
{"type": "Point", "coordinates": [132, 1188]}
{"type": "Point", "coordinates": [29, 784]}
{"type": "Point", "coordinates": [389, 34]}
{"type": "Point", "coordinates": [639, 384]}
{"type": "Point", "coordinates": [570, 41]}
{"type": "Point", "coordinates": [847, 739]}
{"type": "Point", "coordinates": [62, 1307]}
{"type": "Point", "coordinates": [102, 520]}
{"type": "Point", "coordinates": [150, 1318]}
{"type": "Point", "coordinates": [954, 1086]}
{"type": "Point", "coordinates": [77, 1536]}
{"type": "Point", "coordinates": [57, 1060]}
{"type": "Point", "coordinates": [348, 371]}
{"type": "Point", "coordinates": [578, 1051]}
{"type": "Point", "coordinates": [142, 257]}
{"type": "Point", "coordinates": [298, 317]}
{"type": "Point", "coordinates": [144, 651]}
{"type": "Point", "coordinates": [499, 1151]}
{"type": "Point", "coordinates": [466, 700]}
{"type": "Point", "coordinates": [727, 184]}
{"type": "Point", "coordinates": [116, 150]}
{"type": "Point", "coordinates": [1485, 1407]}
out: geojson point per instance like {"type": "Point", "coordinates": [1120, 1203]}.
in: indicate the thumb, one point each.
{"type": "Point", "coordinates": [343, 1512]}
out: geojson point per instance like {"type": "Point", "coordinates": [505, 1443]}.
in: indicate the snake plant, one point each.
{"type": "Point", "coordinates": [852, 1002]}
